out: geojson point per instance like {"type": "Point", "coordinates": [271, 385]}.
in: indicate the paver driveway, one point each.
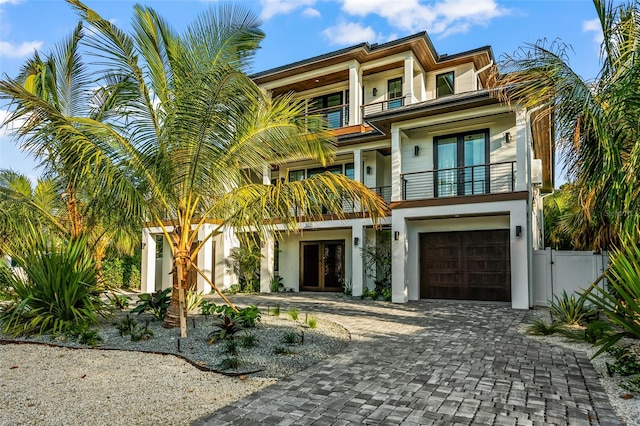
{"type": "Point", "coordinates": [427, 362]}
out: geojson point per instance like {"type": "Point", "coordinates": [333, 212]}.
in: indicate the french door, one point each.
{"type": "Point", "coordinates": [331, 107]}
{"type": "Point", "coordinates": [322, 265]}
{"type": "Point", "coordinates": [461, 164]}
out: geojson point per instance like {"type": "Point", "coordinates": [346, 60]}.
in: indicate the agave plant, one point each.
{"type": "Point", "coordinates": [57, 291]}
{"type": "Point", "coordinates": [571, 310]}
{"type": "Point", "coordinates": [620, 300]}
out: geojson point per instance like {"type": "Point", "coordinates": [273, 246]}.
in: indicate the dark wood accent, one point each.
{"type": "Point", "coordinates": [543, 146]}
{"type": "Point", "coordinates": [463, 199]}
{"type": "Point", "coordinates": [468, 265]}
{"type": "Point", "coordinates": [322, 265]}
{"type": "Point", "coordinates": [313, 83]}
{"type": "Point", "coordinates": [383, 68]}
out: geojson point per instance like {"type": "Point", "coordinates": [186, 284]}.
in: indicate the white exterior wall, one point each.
{"type": "Point", "coordinates": [463, 79]}
{"type": "Point", "coordinates": [409, 222]}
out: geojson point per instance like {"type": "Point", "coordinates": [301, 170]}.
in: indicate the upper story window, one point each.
{"type": "Point", "coordinates": [394, 92]}
{"type": "Point", "coordinates": [296, 175]}
{"type": "Point", "coordinates": [332, 108]}
{"type": "Point", "coordinates": [345, 169]}
{"type": "Point", "coordinates": [444, 84]}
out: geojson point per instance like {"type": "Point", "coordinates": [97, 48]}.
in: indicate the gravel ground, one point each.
{"type": "Point", "coordinates": [628, 410]}
{"type": "Point", "coordinates": [81, 386]}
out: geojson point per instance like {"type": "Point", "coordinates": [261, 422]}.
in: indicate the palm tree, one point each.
{"type": "Point", "coordinates": [179, 128]}
{"type": "Point", "coordinates": [48, 98]}
{"type": "Point", "coordinates": [596, 121]}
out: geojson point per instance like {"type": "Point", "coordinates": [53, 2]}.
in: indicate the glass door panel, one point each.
{"type": "Point", "coordinates": [474, 179]}
{"type": "Point", "coordinates": [333, 264]}
{"type": "Point", "coordinates": [311, 266]}
{"type": "Point", "coordinates": [447, 176]}
{"type": "Point", "coordinates": [334, 110]}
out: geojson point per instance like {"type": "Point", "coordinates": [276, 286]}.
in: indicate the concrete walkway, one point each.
{"type": "Point", "coordinates": [426, 362]}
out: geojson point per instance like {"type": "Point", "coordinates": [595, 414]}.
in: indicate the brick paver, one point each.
{"type": "Point", "coordinates": [426, 363]}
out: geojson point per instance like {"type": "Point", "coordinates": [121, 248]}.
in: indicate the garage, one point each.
{"type": "Point", "coordinates": [467, 265]}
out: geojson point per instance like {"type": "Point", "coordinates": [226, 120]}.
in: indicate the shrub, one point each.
{"type": "Point", "coordinates": [84, 335]}
{"type": "Point", "coordinates": [312, 322]}
{"type": "Point", "coordinates": [620, 301]}
{"type": "Point", "coordinates": [249, 341]}
{"type": "Point", "coordinates": [570, 310]}
{"type": "Point", "coordinates": [246, 317]}
{"type": "Point", "coordinates": [627, 363]}
{"type": "Point", "coordinates": [230, 363]}
{"type": "Point", "coordinates": [291, 338]}
{"type": "Point", "coordinates": [157, 303]}
{"type": "Point", "coordinates": [275, 284]}
{"type": "Point", "coordinates": [542, 328]}
{"type": "Point", "coordinates": [59, 289]}
{"type": "Point", "coordinates": [293, 313]}
{"type": "Point", "coordinates": [193, 300]}
{"type": "Point", "coordinates": [275, 311]}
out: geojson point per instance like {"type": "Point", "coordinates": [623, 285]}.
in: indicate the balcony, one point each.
{"type": "Point", "coordinates": [469, 180]}
{"type": "Point", "coordinates": [384, 192]}
{"type": "Point", "coordinates": [336, 116]}
{"type": "Point", "coordinates": [386, 105]}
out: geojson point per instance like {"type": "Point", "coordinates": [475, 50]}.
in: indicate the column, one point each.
{"type": "Point", "coordinates": [399, 254]}
{"type": "Point", "coordinates": [229, 242]}
{"type": "Point", "coordinates": [266, 175]}
{"type": "Point", "coordinates": [148, 267]}
{"type": "Point", "coordinates": [266, 264]}
{"type": "Point", "coordinates": [408, 80]}
{"type": "Point", "coordinates": [354, 93]}
{"type": "Point", "coordinates": [396, 164]}
{"type": "Point", "coordinates": [166, 279]}
{"type": "Point", "coordinates": [205, 259]}
{"type": "Point", "coordinates": [357, 265]}
{"type": "Point", "coordinates": [521, 150]}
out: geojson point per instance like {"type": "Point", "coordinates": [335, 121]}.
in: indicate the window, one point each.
{"type": "Point", "coordinates": [349, 171]}
{"type": "Point", "coordinates": [296, 175]}
{"type": "Point", "coordinates": [394, 92]}
{"type": "Point", "coordinates": [330, 106]}
{"type": "Point", "coordinates": [461, 163]}
{"type": "Point", "coordinates": [444, 84]}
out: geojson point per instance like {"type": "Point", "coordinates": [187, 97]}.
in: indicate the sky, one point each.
{"type": "Point", "coordinates": [299, 29]}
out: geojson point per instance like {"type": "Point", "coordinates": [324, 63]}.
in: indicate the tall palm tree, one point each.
{"type": "Point", "coordinates": [47, 98]}
{"type": "Point", "coordinates": [596, 121]}
{"type": "Point", "coordinates": [178, 127]}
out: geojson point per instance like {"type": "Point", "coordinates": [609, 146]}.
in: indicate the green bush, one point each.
{"type": "Point", "coordinates": [620, 301]}
{"type": "Point", "coordinates": [60, 290]}
{"type": "Point", "coordinates": [542, 328]}
{"type": "Point", "coordinates": [157, 303]}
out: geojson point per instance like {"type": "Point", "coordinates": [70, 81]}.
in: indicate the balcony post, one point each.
{"type": "Point", "coordinates": [354, 93]}
{"type": "Point", "coordinates": [148, 272]}
{"type": "Point", "coordinates": [407, 90]}
{"type": "Point", "coordinates": [396, 164]}
{"type": "Point", "coordinates": [521, 150]}
{"type": "Point", "coordinates": [357, 172]}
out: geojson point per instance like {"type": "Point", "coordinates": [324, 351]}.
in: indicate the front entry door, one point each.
{"type": "Point", "coordinates": [322, 265]}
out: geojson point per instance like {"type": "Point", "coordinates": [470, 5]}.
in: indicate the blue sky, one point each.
{"type": "Point", "coordinates": [298, 29]}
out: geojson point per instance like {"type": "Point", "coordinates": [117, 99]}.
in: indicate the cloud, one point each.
{"type": "Point", "coordinates": [271, 8]}
{"type": "Point", "coordinates": [11, 50]}
{"type": "Point", "coordinates": [349, 33]}
{"type": "Point", "coordinates": [10, 1]}
{"type": "Point", "coordinates": [593, 25]}
{"type": "Point", "coordinates": [311, 13]}
{"type": "Point", "coordinates": [442, 17]}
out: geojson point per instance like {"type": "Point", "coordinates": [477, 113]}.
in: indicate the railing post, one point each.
{"type": "Point", "coordinates": [404, 188]}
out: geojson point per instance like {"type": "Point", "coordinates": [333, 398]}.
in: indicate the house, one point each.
{"type": "Point", "coordinates": [463, 175]}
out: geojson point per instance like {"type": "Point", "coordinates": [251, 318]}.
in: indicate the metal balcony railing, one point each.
{"type": "Point", "coordinates": [385, 105]}
{"type": "Point", "coordinates": [384, 192]}
{"type": "Point", "coordinates": [336, 116]}
{"type": "Point", "coordinates": [469, 180]}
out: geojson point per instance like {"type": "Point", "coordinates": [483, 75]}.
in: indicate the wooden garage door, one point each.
{"type": "Point", "coordinates": [471, 265]}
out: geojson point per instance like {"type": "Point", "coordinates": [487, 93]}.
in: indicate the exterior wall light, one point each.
{"type": "Point", "coordinates": [416, 150]}
{"type": "Point", "coordinates": [356, 241]}
{"type": "Point", "coordinates": [375, 91]}
{"type": "Point", "coordinates": [368, 170]}
{"type": "Point", "coordinates": [518, 231]}
{"type": "Point", "coordinates": [396, 235]}
{"type": "Point", "coordinates": [507, 137]}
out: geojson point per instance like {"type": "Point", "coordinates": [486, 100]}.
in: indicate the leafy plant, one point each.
{"type": "Point", "coordinates": [249, 341]}
{"type": "Point", "coordinates": [312, 322]}
{"type": "Point", "coordinates": [632, 385]}
{"type": "Point", "coordinates": [620, 301]}
{"type": "Point", "coordinates": [244, 262]}
{"type": "Point", "coordinates": [125, 326]}
{"type": "Point", "coordinates": [58, 289]}
{"type": "Point", "coordinates": [571, 310]}
{"type": "Point", "coordinates": [275, 311]}
{"type": "Point", "coordinates": [193, 299]}
{"type": "Point", "coordinates": [84, 335]}
{"type": "Point", "coordinates": [157, 302]}
{"type": "Point", "coordinates": [293, 313]}
{"type": "Point", "coordinates": [348, 287]}
{"type": "Point", "coordinates": [282, 350]}
{"type": "Point", "coordinates": [246, 317]}
{"type": "Point", "coordinates": [373, 294]}
{"type": "Point", "coordinates": [207, 308]}
{"type": "Point", "coordinates": [276, 284]}
{"type": "Point", "coordinates": [141, 333]}
{"type": "Point", "coordinates": [626, 363]}
{"type": "Point", "coordinates": [230, 363]}
{"type": "Point", "coordinates": [226, 327]}
{"type": "Point", "coordinates": [119, 301]}
{"type": "Point", "coordinates": [377, 261]}
{"type": "Point", "coordinates": [291, 338]}
{"type": "Point", "coordinates": [542, 328]}
{"type": "Point", "coordinates": [231, 347]}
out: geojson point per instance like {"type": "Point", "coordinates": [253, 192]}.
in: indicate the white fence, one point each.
{"type": "Point", "coordinates": [571, 271]}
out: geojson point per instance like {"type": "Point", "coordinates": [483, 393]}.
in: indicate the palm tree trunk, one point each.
{"type": "Point", "coordinates": [177, 313]}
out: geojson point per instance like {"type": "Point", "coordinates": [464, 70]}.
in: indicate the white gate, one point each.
{"type": "Point", "coordinates": [571, 271]}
